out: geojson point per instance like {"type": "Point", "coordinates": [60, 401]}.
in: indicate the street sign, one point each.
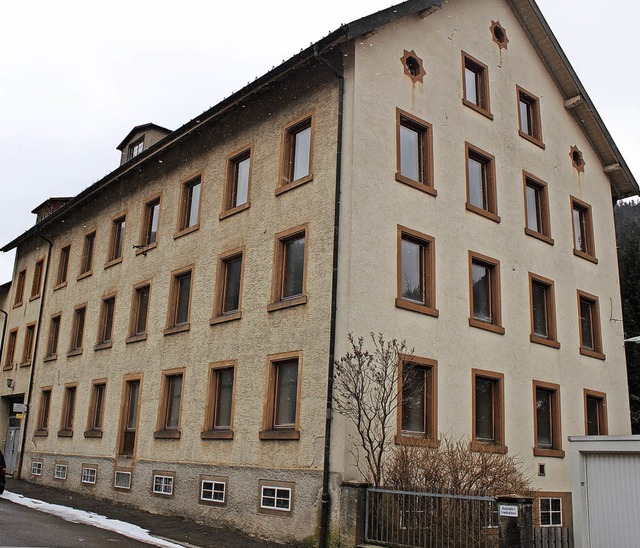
{"type": "Point", "coordinates": [508, 510]}
{"type": "Point", "coordinates": [19, 408]}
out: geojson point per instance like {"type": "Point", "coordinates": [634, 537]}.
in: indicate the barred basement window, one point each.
{"type": "Point", "coordinates": [60, 472]}
{"type": "Point", "coordinates": [162, 485]}
{"type": "Point", "coordinates": [213, 491]}
{"type": "Point", "coordinates": [36, 468]}
{"type": "Point", "coordinates": [89, 475]}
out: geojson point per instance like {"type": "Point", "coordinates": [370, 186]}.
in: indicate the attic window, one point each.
{"type": "Point", "coordinates": [136, 148]}
{"type": "Point", "coordinates": [577, 159]}
{"type": "Point", "coordinates": [499, 34]}
{"type": "Point", "coordinates": [413, 66]}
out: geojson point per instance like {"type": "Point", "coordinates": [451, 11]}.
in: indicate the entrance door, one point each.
{"type": "Point", "coordinates": [11, 446]}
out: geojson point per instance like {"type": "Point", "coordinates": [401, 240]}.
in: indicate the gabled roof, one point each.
{"type": "Point", "coordinates": [141, 128]}
{"type": "Point", "coordinates": [622, 181]}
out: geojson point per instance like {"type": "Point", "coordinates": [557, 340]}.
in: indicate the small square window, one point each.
{"type": "Point", "coordinates": [89, 475]}
{"type": "Point", "coordinates": [488, 410]}
{"type": "Point", "coordinates": [536, 207]}
{"type": "Point", "coordinates": [117, 239]}
{"type": "Point", "coordinates": [550, 511]}
{"type": "Point", "coordinates": [416, 272]}
{"type": "Point", "coordinates": [590, 332]}
{"type": "Point", "coordinates": [36, 285]}
{"type": "Point", "coordinates": [281, 420]}
{"type": "Point", "coordinates": [228, 296]}
{"type": "Point", "coordinates": [236, 193]}
{"type": "Point", "coordinates": [19, 296]}
{"type": "Point", "coordinates": [63, 266]}
{"type": "Point", "coordinates": [170, 404]}
{"type": "Point", "coordinates": [213, 491]}
{"type": "Point", "coordinates": [77, 331]}
{"type": "Point", "coordinates": [180, 301]}
{"type": "Point", "coordinates": [68, 411]}
{"type": "Point", "coordinates": [417, 411]}
{"type": "Point", "coordinates": [595, 413]}
{"type": "Point", "coordinates": [60, 472]}
{"type": "Point", "coordinates": [11, 350]}
{"type": "Point", "coordinates": [484, 273]}
{"type": "Point", "coordinates": [414, 152]}
{"type": "Point", "coordinates": [583, 241]}
{"type": "Point", "coordinates": [289, 276]}
{"type": "Point", "coordinates": [543, 311]}
{"type": "Point", "coordinates": [162, 485]}
{"type": "Point", "coordinates": [27, 350]}
{"type": "Point", "coordinates": [150, 224]}
{"type": "Point", "coordinates": [547, 423]}
{"type": "Point", "coordinates": [219, 412]}
{"type": "Point", "coordinates": [86, 264]}
{"type": "Point", "coordinates": [105, 329]}
{"type": "Point", "coordinates": [139, 310]}
{"type": "Point", "coordinates": [122, 480]}
{"type": "Point", "coordinates": [529, 117]}
{"type": "Point", "coordinates": [475, 85]}
{"type": "Point", "coordinates": [297, 153]}
{"type": "Point", "coordinates": [36, 468]}
{"type": "Point", "coordinates": [481, 183]}
{"type": "Point", "coordinates": [275, 498]}
{"type": "Point", "coordinates": [189, 219]}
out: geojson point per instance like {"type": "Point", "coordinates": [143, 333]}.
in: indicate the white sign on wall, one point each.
{"type": "Point", "coordinates": [508, 510]}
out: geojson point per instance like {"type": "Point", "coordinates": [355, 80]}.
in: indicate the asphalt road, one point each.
{"type": "Point", "coordinates": [20, 526]}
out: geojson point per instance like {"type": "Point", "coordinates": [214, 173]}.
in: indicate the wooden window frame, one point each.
{"type": "Point", "coordinates": [219, 315]}
{"type": "Point", "coordinates": [497, 445]}
{"type": "Point", "coordinates": [92, 431]}
{"type": "Point", "coordinates": [550, 297]}
{"type": "Point", "coordinates": [566, 508]}
{"type": "Point", "coordinates": [585, 209]}
{"type": "Point", "coordinates": [209, 431]}
{"type": "Point", "coordinates": [127, 380]}
{"type": "Point", "coordinates": [269, 430]}
{"type": "Point", "coordinates": [282, 485]}
{"type": "Point", "coordinates": [556, 421]}
{"type": "Point", "coordinates": [10, 355]}
{"type": "Point", "coordinates": [489, 182]}
{"type": "Point", "coordinates": [603, 420]}
{"type": "Point", "coordinates": [134, 335]}
{"type": "Point", "coordinates": [163, 431]}
{"type": "Point", "coordinates": [125, 471]}
{"type": "Point", "coordinates": [184, 205]}
{"type": "Point", "coordinates": [277, 300]}
{"type": "Point", "coordinates": [147, 219]}
{"type": "Point", "coordinates": [428, 250]}
{"type": "Point", "coordinates": [67, 417]}
{"type": "Point", "coordinates": [533, 103]}
{"type": "Point", "coordinates": [542, 208]}
{"type": "Point", "coordinates": [53, 338]}
{"type": "Point", "coordinates": [596, 326]}
{"type": "Point", "coordinates": [481, 72]}
{"type": "Point", "coordinates": [36, 283]}
{"type": "Point", "coordinates": [76, 332]}
{"type": "Point", "coordinates": [425, 151]}
{"type": "Point", "coordinates": [231, 182]}
{"type": "Point", "coordinates": [18, 298]}
{"type": "Point", "coordinates": [163, 474]}
{"type": "Point", "coordinates": [118, 227]}
{"type": "Point", "coordinates": [102, 342]}
{"type": "Point", "coordinates": [84, 481]}
{"type": "Point", "coordinates": [27, 345]}
{"type": "Point", "coordinates": [289, 131]}
{"type": "Point", "coordinates": [213, 479]}
{"type": "Point", "coordinates": [496, 300]}
{"type": "Point", "coordinates": [59, 466]}
{"type": "Point", "coordinates": [87, 259]}
{"type": "Point", "coordinates": [174, 295]}
{"type": "Point", "coordinates": [63, 267]}
{"type": "Point", "coordinates": [36, 465]}
{"type": "Point", "coordinates": [44, 412]}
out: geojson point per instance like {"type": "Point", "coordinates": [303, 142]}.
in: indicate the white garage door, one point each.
{"type": "Point", "coordinates": [613, 500]}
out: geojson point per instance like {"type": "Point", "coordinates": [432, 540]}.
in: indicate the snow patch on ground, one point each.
{"type": "Point", "coordinates": [89, 518]}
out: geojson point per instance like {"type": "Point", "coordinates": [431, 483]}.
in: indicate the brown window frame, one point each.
{"type": "Point", "coordinates": [53, 338]}
{"type": "Point", "coordinates": [424, 129]}
{"type": "Point", "coordinates": [596, 326]}
{"type": "Point", "coordinates": [534, 119]}
{"type": "Point", "coordinates": [88, 254]}
{"type": "Point", "coordinates": [67, 417]}
{"type": "Point", "coordinates": [556, 421]}
{"type": "Point", "coordinates": [481, 80]}
{"type": "Point", "coordinates": [219, 314]}
{"type": "Point", "coordinates": [134, 334]}
{"type": "Point", "coordinates": [10, 355]}
{"type": "Point", "coordinates": [147, 224]}
{"type": "Point", "coordinates": [163, 429]}
{"type": "Point", "coordinates": [36, 284]}
{"type": "Point", "coordinates": [44, 412]}
{"type": "Point", "coordinates": [95, 417]}
{"type": "Point", "coordinates": [428, 256]}
{"type": "Point", "coordinates": [186, 200]}
{"type": "Point", "coordinates": [287, 152]}
{"type": "Point", "coordinates": [104, 339]}
{"type": "Point", "coordinates": [495, 325]}
{"type": "Point", "coordinates": [429, 437]}
{"type": "Point", "coordinates": [18, 298]}
{"type": "Point", "coordinates": [271, 430]}
{"type": "Point", "coordinates": [603, 420]}
{"type": "Point", "coordinates": [210, 430]}
{"type": "Point", "coordinates": [27, 345]}
{"type": "Point", "coordinates": [117, 236]}
{"type": "Point", "coordinates": [550, 303]}
{"type": "Point", "coordinates": [77, 330]}
{"type": "Point", "coordinates": [278, 301]}
{"type": "Point", "coordinates": [173, 326]}
{"type": "Point", "coordinates": [123, 429]}
{"type": "Point", "coordinates": [542, 208]}
{"type": "Point", "coordinates": [497, 443]}
{"type": "Point", "coordinates": [231, 181]}
{"type": "Point", "coordinates": [63, 267]}
{"type": "Point", "coordinates": [490, 193]}
{"type": "Point", "coordinates": [586, 227]}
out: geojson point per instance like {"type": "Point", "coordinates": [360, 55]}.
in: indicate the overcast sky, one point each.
{"type": "Point", "coordinates": [76, 76]}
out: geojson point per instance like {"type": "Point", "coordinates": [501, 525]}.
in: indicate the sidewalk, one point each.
{"type": "Point", "coordinates": [176, 529]}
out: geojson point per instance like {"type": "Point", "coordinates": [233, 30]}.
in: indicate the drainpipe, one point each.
{"type": "Point", "coordinates": [326, 496]}
{"type": "Point", "coordinates": [34, 355]}
{"type": "Point", "coordinates": [4, 329]}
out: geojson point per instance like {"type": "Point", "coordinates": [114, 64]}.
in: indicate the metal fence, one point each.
{"type": "Point", "coordinates": [400, 518]}
{"type": "Point", "coordinates": [553, 537]}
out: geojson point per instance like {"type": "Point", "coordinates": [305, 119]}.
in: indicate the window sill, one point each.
{"type": "Point", "coordinates": [8, 367]}
{"type": "Point", "coordinates": [531, 139]}
{"type": "Point", "coordinates": [428, 189]}
{"type": "Point", "coordinates": [84, 275]}
{"type": "Point", "coordinates": [416, 307]}
{"type": "Point", "coordinates": [50, 358]}
{"type": "Point", "coordinates": [486, 326]}
{"type": "Point", "coordinates": [146, 248]}
{"type": "Point", "coordinates": [230, 212]}
{"type": "Point", "coordinates": [593, 354]}
{"type": "Point", "coordinates": [288, 434]}
{"type": "Point", "coordinates": [186, 231]}
{"type": "Point", "coordinates": [25, 364]}
{"type": "Point", "coordinates": [112, 263]}
{"type": "Point", "coordinates": [489, 447]}
{"type": "Point", "coordinates": [17, 305]}
{"type": "Point", "coordinates": [217, 435]}
{"type": "Point", "coordinates": [558, 453]}
{"type": "Point", "coordinates": [477, 108]}
{"type": "Point", "coordinates": [40, 433]}
{"type": "Point", "coordinates": [416, 440]}
{"type": "Point", "coordinates": [60, 286]}
{"type": "Point", "coordinates": [177, 329]}
{"type": "Point", "coordinates": [65, 433]}
{"type": "Point", "coordinates": [539, 236]}
{"type": "Point", "coordinates": [295, 184]}
{"type": "Point", "coordinates": [102, 346]}
{"type": "Point", "coordinates": [136, 338]}
{"type": "Point", "coordinates": [93, 433]}
{"type": "Point", "coordinates": [546, 342]}
{"type": "Point", "coordinates": [225, 318]}
{"type": "Point", "coordinates": [76, 352]}
{"type": "Point", "coordinates": [586, 256]}
{"type": "Point", "coordinates": [295, 301]}
{"type": "Point", "coordinates": [34, 297]}
{"type": "Point", "coordinates": [167, 434]}
{"type": "Point", "coordinates": [483, 212]}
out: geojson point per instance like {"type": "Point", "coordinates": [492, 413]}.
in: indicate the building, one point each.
{"type": "Point", "coordinates": [435, 172]}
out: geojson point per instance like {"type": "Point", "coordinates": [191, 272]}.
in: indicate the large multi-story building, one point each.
{"type": "Point", "coordinates": [435, 172]}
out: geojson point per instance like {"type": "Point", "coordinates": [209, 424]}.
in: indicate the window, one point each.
{"type": "Point", "coordinates": [68, 411]}
{"type": "Point", "coordinates": [150, 224]}
{"type": "Point", "coordinates": [96, 409]}
{"type": "Point", "coordinates": [86, 265]}
{"type": "Point", "coordinates": [475, 85]}
{"type": "Point", "coordinates": [117, 240]}
{"type": "Point", "coordinates": [484, 274]}
{"type": "Point", "coordinates": [180, 303]}
{"type": "Point", "coordinates": [105, 329]}
{"type": "Point", "coordinates": [228, 296]}
{"type": "Point", "coordinates": [590, 332]}
{"type": "Point", "coordinates": [139, 312]}
{"type": "Point", "coordinates": [583, 241]}
{"type": "Point", "coordinates": [19, 296]}
{"type": "Point", "coordinates": [11, 350]}
{"type": "Point", "coordinates": [414, 152]}
{"type": "Point", "coordinates": [595, 413]}
{"type": "Point", "coordinates": [170, 405]}
{"type": "Point", "coordinates": [281, 409]}
{"type": "Point", "coordinates": [577, 159]}
{"type": "Point", "coordinates": [77, 331]}
{"type": "Point", "coordinates": [276, 497]}
{"type": "Point", "coordinates": [54, 334]}
{"type": "Point", "coordinates": [129, 417]}
{"type": "Point", "coordinates": [213, 490]}
{"type": "Point", "coordinates": [162, 484]}
{"type": "Point", "coordinates": [297, 153]}
{"type": "Point", "coordinates": [36, 285]}
{"type": "Point", "coordinates": [42, 427]}
{"type": "Point", "coordinates": [417, 409]}
{"type": "Point", "coordinates": [89, 475]}
{"type": "Point", "coordinates": [219, 412]}
{"type": "Point", "coordinates": [416, 272]}
{"type": "Point", "coordinates": [236, 193]}
{"type": "Point", "coordinates": [546, 418]}
{"type": "Point", "coordinates": [122, 480]}
{"type": "Point", "coordinates": [529, 117]}
{"type": "Point", "coordinates": [136, 148]}
{"type": "Point", "coordinates": [27, 350]}
{"type": "Point", "coordinates": [536, 209]}
{"type": "Point", "coordinates": [488, 410]}
{"type": "Point", "coordinates": [63, 266]}
{"type": "Point", "coordinates": [190, 205]}
{"type": "Point", "coordinates": [60, 472]}
{"type": "Point", "coordinates": [543, 311]}
{"type": "Point", "coordinates": [550, 511]}
{"type": "Point", "coordinates": [36, 468]}
{"type": "Point", "coordinates": [481, 183]}
{"type": "Point", "coordinates": [499, 34]}
{"type": "Point", "coordinates": [413, 66]}
{"type": "Point", "coordinates": [289, 280]}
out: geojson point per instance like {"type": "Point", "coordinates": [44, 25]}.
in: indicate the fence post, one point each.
{"type": "Point", "coordinates": [353, 513]}
{"type": "Point", "coordinates": [515, 521]}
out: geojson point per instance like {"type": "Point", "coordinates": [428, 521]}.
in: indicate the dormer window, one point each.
{"type": "Point", "coordinates": [136, 148]}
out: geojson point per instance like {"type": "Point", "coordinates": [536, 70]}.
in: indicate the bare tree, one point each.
{"type": "Point", "coordinates": [366, 392]}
